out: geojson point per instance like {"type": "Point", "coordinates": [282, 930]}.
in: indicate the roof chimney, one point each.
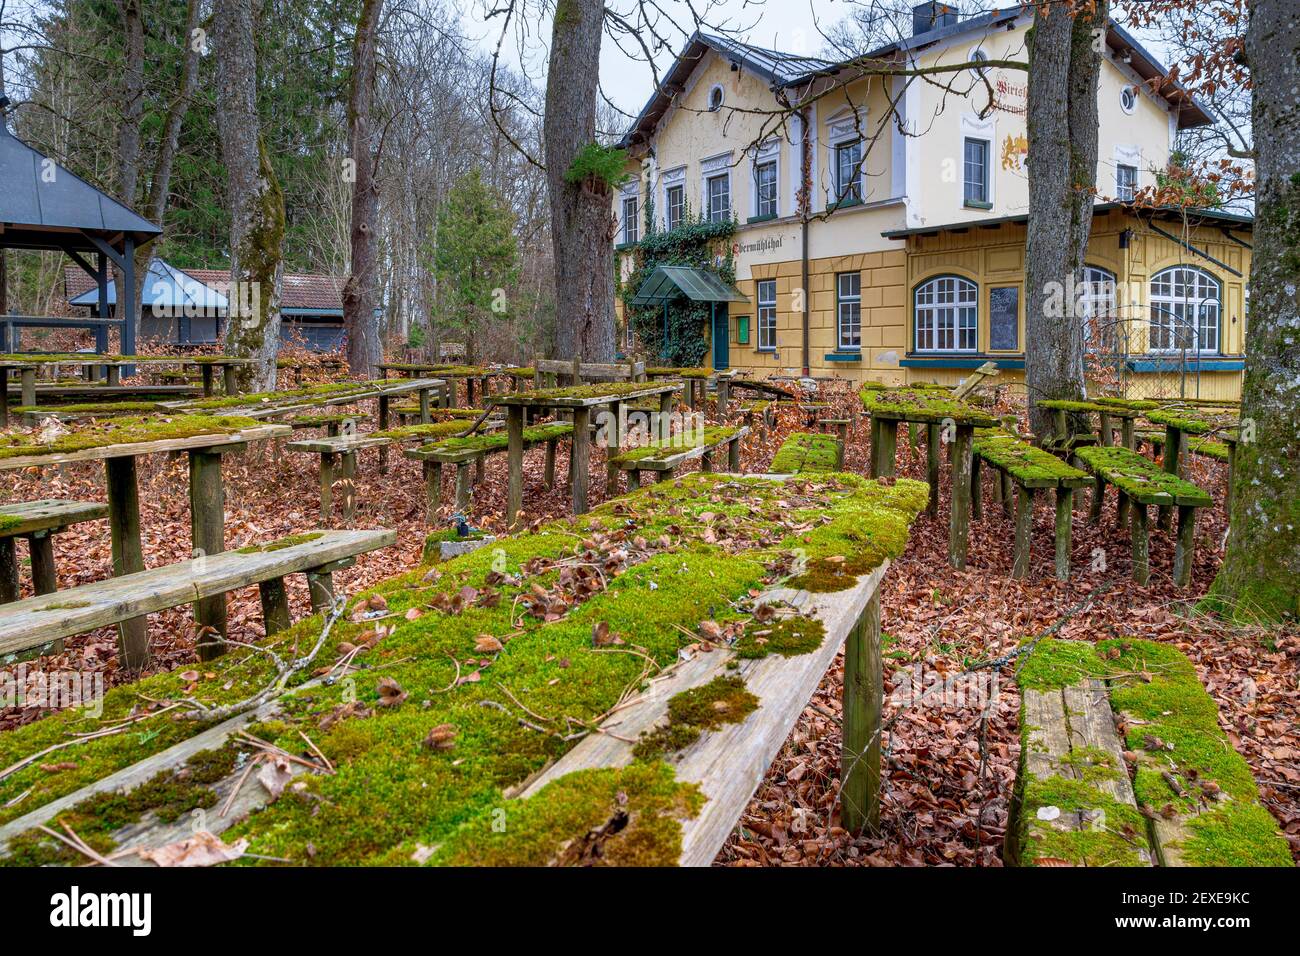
{"type": "Point", "coordinates": [932, 16]}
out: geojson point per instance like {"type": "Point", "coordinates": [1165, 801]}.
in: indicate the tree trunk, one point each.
{"type": "Point", "coordinates": [256, 201]}
{"type": "Point", "coordinates": [582, 232]}
{"type": "Point", "coordinates": [1062, 127]}
{"type": "Point", "coordinates": [360, 295]}
{"type": "Point", "coordinates": [1260, 575]}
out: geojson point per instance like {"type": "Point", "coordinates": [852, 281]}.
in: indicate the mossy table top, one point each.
{"type": "Point", "coordinates": [457, 450]}
{"type": "Point", "coordinates": [268, 404]}
{"type": "Point", "coordinates": [1196, 444]}
{"type": "Point", "coordinates": [22, 360]}
{"type": "Point", "coordinates": [804, 452]}
{"type": "Point", "coordinates": [1140, 478]}
{"type": "Point", "coordinates": [481, 641]}
{"type": "Point", "coordinates": [1028, 466]}
{"type": "Point", "coordinates": [688, 372]}
{"type": "Point", "coordinates": [129, 438]}
{"type": "Point", "coordinates": [1195, 422]}
{"type": "Point", "coordinates": [1091, 407]}
{"type": "Point", "coordinates": [929, 406]}
{"type": "Point", "coordinates": [667, 455]}
{"type": "Point", "coordinates": [584, 396]}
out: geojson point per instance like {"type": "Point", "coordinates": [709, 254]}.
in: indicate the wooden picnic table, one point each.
{"type": "Point", "coordinates": [112, 365]}
{"type": "Point", "coordinates": [449, 374]}
{"type": "Point", "coordinates": [935, 409]}
{"type": "Point", "coordinates": [579, 400]}
{"type": "Point", "coordinates": [207, 508]}
{"type": "Point", "coordinates": [1106, 411]}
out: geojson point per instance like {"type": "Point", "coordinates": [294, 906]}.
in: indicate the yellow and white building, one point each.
{"type": "Point", "coordinates": [912, 250]}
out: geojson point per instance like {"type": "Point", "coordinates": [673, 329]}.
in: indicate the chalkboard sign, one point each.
{"type": "Point", "coordinates": [1004, 321]}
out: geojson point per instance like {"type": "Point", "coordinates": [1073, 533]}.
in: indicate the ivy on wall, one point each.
{"type": "Point", "coordinates": [697, 243]}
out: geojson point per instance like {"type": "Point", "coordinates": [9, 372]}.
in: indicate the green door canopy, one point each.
{"type": "Point", "coordinates": [698, 285]}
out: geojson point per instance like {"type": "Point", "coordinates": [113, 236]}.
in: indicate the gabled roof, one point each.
{"type": "Point", "coordinates": [164, 286]}
{"type": "Point", "coordinates": [787, 70]}
{"type": "Point", "coordinates": [302, 293]}
{"type": "Point", "coordinates": [43, 205]}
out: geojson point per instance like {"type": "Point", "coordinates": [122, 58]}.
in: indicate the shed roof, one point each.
{"type": "Point", "coordinates": [164, 286]}
{"type": "Point", "coordinates": [44, 206]}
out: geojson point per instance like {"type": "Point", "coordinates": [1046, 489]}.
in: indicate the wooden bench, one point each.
{"type": "Point", "coordinates": [759, 413]}
{"type": "Point", "coordinates": [38, 522]}
{"type": "Point", "coordinates": [1075, 804]}
{"type": "Point", "coordinates": [663, 457]}
{"type": "Point", "coordinates": [1031, 470]}
{"type": "Point", "coordinates": [1141, 482]}
{"type": "Point", "coordinates": [38, 621]}
{"type": "Point", "coordinates": [807, 453]}
{"type": "Point", "coordinates": [460, 453]}
{"type": "Point", "coordinates": [338, 457]}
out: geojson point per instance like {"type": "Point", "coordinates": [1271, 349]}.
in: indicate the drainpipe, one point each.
{"type": "Point", "coordinates": [805, 206]}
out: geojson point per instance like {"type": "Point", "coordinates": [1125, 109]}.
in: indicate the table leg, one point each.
{"type": "Point", "coordinates": [275, 606]}
{"type": "Point", "coordinates": [114, 376]}
{"type": "Point", "coordinates": [581, 458]}
{"type": "Point", "coordinates": [1185, 547]}
{"type": "Point", "coordinates": [4, 398]}
{"type": "Point", "coordinates": [432, 490]}
{"type": "Point", "coordinates": [515, 463]}
{"type": "Point", "coordinates": [205, 370]}
{"type": "Point", "coordinates": [613, 444]}
{"type": "Point", "coordinates": [959, 520]}
{"type": "Point", "coordinates": [1024, 531]}
{"type": "Point", "coordinates": [128, 555]}
{"type": "Point", "coordinates": [1064, 517]}
{"type": "Point", "coordinates": [1171, 459]}
{"type": "Point", "coordinates": [44, 578]}
{"type": "Point", "coordinates": [208, 534]}
{"type": "Point", "coordinates": [8, 571]}
{"type": "Point", "coordinates": [28, 378]}
{"type": "Point", "coordinates": [383, 426]}
{"type": "Point", "coordinates": [863, 699]}
{"type": "Point", "coordinates": [326, 487]}
{"type": "Point", "coordinates": [230, 376]}
{"type": "Point", "coordinates": [426, 411]}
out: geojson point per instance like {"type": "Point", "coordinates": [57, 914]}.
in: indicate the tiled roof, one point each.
{"type": "Point", "coordinates": [300, 290]}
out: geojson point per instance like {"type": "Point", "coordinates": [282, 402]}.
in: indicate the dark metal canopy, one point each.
{"type": "Point", "coordinates": [698, 285]}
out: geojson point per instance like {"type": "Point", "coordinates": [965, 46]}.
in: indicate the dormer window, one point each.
{"type": "Point", "coordinates": [715, 99]}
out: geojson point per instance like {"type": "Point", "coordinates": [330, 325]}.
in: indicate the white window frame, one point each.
{"type": "Point", "coordinates": [1133, 92]}
{"type": "Point", "coordinates": [853, 302]}
{"type": "Point", "coordinates": [714, 168]}
{"type": "Point", "coordinates": [986, 185]}
{"type": "Point", "coordinates": [1101, 294]}
{"type": "Point", "coordinates": [766, 314]}
{"type": "Point", "coordinates": [673, 179]}
{"type": "Point", "coordinates": [963, 302]}
{"type": "Point", "coordinates": [1201, 306]}
{"type": "Point", "coordinates": [768, 153]}
{"type": "Point", "coordinates": [843, 130]}
{"type": "Point", "coordinates": [1122, 193]}
{"type": "Point", "coordinates": [972, 127]}
{"type": "Point", "coordinates": [722, 97]}
{"type": "Point", "coordinates": [631, 223]}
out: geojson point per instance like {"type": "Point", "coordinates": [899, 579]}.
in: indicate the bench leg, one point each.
{"type": "Point", "coordinates": [8, 571]}
{"type": "Point", "coordinates": [733, 455]}
{"type": "Point", "coordinates": [633, 479]}
{"type": "Point", "coordinates": [128, 556]}
{"type": "Point", "coordinates": [230, 378]}
{"type": "Point", "coordinates": [1024, 531]}
{"type": "Point", "coordinates": [1184, 548]}
{"type": "Point", "coordinates": [426, 409]}
{"type": "Point", "coordinates": [4, 397]}
{"type": "Point", "coordinates": [1141, 545]}
{"type": "Point", "coordinates": [863, 695]}
{"type": "Point", "coordinates": [706, 462]}
{"type": "Point", "coordinates": [462, 487]}
{"type": "Point", "coordinates": [320, 585]}
{"type": "Point", "coordinates": [44, 578]}
{"type": "Point", "coordinates": [515, 464]}
{"type": "Point", "coordinates": [207, 533]}
{"type": "Point", "coordinates": [581, 458]}
{"type": "Point", "coordinates": [326, 487]}
{"type": "Point", "coordinates": [432, 490]}
{"type": "Point", "coordinates": [959, 515]}
{"type": "Point", "coordinates": [1064, 515]}
{"type": "Point", "coordinates": [1098, 498]}
{"type": "Point", "coordinates": [383, 426]}
{"type": "Point", "coordinates": [114, 376]}
{"type": "Point", "coordinates": [275, 606]}
{"type": "Point", "coordinates": [548, 474]}
{"type": "Point", "coordinates": [349, 471]}
{"type": "Point", "coordinates": [205, 370]}
{"type": "Point", "coordinates": [1126, 434]}
{"type": "Point", "coordinates": [1121, 508]}
{"type": "Point", "coordinates": [976, 489]}
{"type": "Point", "coordinates": [27, 377]}
{"type": "Point", "coordinates": [665, 475]}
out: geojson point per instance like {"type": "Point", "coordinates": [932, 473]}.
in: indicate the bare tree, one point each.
{"type": "Point", "coordinates": [256, 201]}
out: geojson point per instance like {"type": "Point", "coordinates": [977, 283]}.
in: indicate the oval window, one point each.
{"type": "Point", "coordinates": [715, 99]}
{"type": "Point", "coordinates": [1128, 99]}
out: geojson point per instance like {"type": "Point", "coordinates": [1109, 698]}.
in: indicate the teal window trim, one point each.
{"type": "Point", "coordinates": [976, 204]}
{"type": "Point", "coordinates": [768, 218]}
{"type": "Point", "coordinates": [844, 355]}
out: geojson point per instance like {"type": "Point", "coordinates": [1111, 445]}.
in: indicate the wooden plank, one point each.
{"type": "Point", "coordinates": [530, 400]}
{"type": "Point", "coordinates": [128, 555]}
{"type": "Point", "coordinates": [44, 618]}
{"type": "Point", "coordinates": [342, 444]}
{"type": "Point", "coordinates": [48, 514]}
{"type": "Point", "coordinates": [670, 462]}
{"type": "Point", "coordinates": [131, 449]}
{"type": "Point", "coordinates": [728, 764]}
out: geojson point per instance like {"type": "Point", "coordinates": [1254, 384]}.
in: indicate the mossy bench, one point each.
{"type": "Point", "coordinates": [1140, 482]}
{"type": "Point", "coordinates": [1032, 471]}
{"type": "Point", "coordinates": [338, 457]}
{"type": "Point", "coordinates": [1123, 763]}
{"type": "Point", "coordinates": [38, 522]}
{"type": "Point", "coordinates": [808, 453]}
{"type": "Point", "coordinates": [549, 682]}
{"type": "Point", "coordinates": [665, 456]}
{"type": "Point", "coordinates": [460, 453]}
{"type": "Point", "coordinates": [38, 621]}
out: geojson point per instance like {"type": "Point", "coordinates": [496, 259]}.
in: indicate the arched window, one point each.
{"type": "Point", "coordinates": [946, 315]}
{"type": "Point", "coordinates": [1098, 310]}
{"type": "Point", "coordinates": [1186, 307]}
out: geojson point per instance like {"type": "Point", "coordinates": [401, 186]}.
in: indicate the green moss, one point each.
{"type": "Point", "coordinates": [323, 390]}
{"type": "Point", "coordinates": [318, 421]}
{"type": "Point", "coordinates": [9, 522]}
{"type": "Point", "coordinates": [723, 700]}
{"type": "Point", "coordinates": [552, 668]}
{"type": "Point", "coordinates": [689, 372]}
{"type": "Point", "coordinates": [806, 452]}
{"type": "Point", "coordinates": [623, 817]}
{"type": "Point", "coordinates": [1069, 405]}
{"type": "Point", "coordinates": [578, 393]}
{"type": "Point", "coordinates": [1141, 478]}
{"type": "Point", "coordinates": [90, 408]}
{"type": "Point", "coordinates": [606, 165]}
{"type": "Point", "coordinates": [1028, 465]}
{"type": "Point", "coordinates": [656, 450]}
{"type": "Point", "coordinates": [1189, 420]}
{"type": "Point", "coordinates": [496, 441]}
{"type": "Point", "coordinates": [424, 430]}
{"type": "Point", "coordinates": [1055, 664]}
{"type": "Point", "coordinates": [279, 545]}
{"type": "Point", "coordinates": [122, 431]}
{"type": "Point", "coordinates": [922, 405]}
{"type": "Point", "coordinates": [788, 637]}
{"type": "Point", "coordinates": [1116, 838]}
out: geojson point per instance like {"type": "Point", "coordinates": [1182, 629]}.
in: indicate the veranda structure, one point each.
{"type": "Point", "coordinates": [45, 207]}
